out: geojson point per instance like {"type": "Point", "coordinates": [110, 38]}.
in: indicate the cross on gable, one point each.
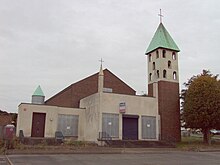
{"type": "Point", "coordinates": [101, 61]}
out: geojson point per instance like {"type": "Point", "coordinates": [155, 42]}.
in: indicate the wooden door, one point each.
{"type": "Point", "coordinates": [38, 124]}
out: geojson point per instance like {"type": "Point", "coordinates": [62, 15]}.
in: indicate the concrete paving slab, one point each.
{"type": "Point", "coordinates": [3, 160]}
{"type": "Point", "coordinates": [172, 158]}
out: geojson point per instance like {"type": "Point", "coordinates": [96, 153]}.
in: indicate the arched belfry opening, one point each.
{"type": "Point", "coordinates": [158, 74]}
{"type": "Point", "coordinates": [164, 73]}
{"type": "Point", "coordinates": [174, 75]}
{"type": "Point", "coordinates": [169, 64]}
{"type": "Point", "coordinates": [154, 67]}
{"type": "Point", "coordinates": [164, 54]}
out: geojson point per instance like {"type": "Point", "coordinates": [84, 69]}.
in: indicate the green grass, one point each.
{"type": "Point", "coordinates": [193, 143]}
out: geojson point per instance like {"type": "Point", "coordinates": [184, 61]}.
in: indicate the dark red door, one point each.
{"type": "Point", "coordinates": [38, 124]}
{"type": "Point", "coordinates": [130, 128]}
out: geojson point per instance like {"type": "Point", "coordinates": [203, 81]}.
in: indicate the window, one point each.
{"type": "Point", "coordinates": [150, 76]}
{"type": "Point", "coordinates": [164, 53]}
{"type": "Point", "coordinates": [164, 73]}
{"type": "Point", "coordinates": [68, 124]}
{"type": "Point", "coordinates": [157, 54]}
{"type": "Point", "coordinates": [149, 56]}
{"type": "Point", "coordinates": [158, 74]}
{"type": "Point", "coordinates": [174, 76]}
{"type": "Point", "coordinates": [110, 124]}
{"type": "Point", "coordinates": [148, 127]}
{"type": "Point", "coordinates": [174, 56]}
{"type": "Point", "coordinates": [153, 65]}
{"type": "Point", "coordinates": [169, 64]}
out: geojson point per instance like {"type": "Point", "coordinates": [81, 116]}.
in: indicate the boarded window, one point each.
{"type": "Point", "coordinates": [148, 127]}
{"type": "Point", "coordinates": [110, 124]}
{"type": "Point", "coordinates": [68, 124]}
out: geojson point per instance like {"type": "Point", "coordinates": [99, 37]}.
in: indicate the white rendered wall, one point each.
{"type": "Point", "coordinates": [109, 103]}
{"type": "Point", "coordinates": [135, 105]}
{"type": "Point", "coordinates": [25, 114]}
{"type": "Point", "coordinates": [161, 64]}
{"type": "Point", "coordinates": [92, 116]}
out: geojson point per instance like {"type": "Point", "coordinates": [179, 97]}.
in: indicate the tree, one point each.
{"type": "Point", "coordinates": [201, 103]}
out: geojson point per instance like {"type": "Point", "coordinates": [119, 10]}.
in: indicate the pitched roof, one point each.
{"type": "Point", "coordinates": [71, 95]}
{"type": "Point", "coordinates": [38, 92]}
{"type": "Point", "coordinates": [162, 39]}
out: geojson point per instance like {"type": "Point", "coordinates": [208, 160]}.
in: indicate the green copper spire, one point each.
{"type": "Point", "coordinates": [162, 39]}
{"type": "Point", "coordinates": [38, 92]}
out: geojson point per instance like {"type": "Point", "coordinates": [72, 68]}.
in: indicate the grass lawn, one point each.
{"type": "Point", "coordinates": [195, 143]}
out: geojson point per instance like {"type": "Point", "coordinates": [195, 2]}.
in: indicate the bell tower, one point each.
{"type": "Point", "coordinates": [163, 82]}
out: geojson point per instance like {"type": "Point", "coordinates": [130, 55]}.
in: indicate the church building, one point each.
{"type": "Point", "coordinates": [102, 106]}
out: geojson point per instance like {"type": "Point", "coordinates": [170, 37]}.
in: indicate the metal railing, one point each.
{"type": "Point", "coordinates": [104, 136]}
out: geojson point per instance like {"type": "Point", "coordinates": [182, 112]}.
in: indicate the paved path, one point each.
{"type": "Point", "coordinates": [172, 158]}
{"type": "Point", "coordinates": [3, 160]}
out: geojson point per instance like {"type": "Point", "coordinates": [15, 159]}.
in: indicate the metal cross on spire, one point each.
{"type": "Point", "coordinates": [160, 15]}
{"type": "Point", "coordinates": [101, 61]}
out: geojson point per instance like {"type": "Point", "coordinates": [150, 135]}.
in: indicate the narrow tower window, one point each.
{"type": "Point", "coordinates": [164, 53]}
{"type": "Point", "coordinates": [169, 64]}
{"type": "Point", "coordinates": [164, 73]}
{"type": "Point", "coordinates": [153, 65]}
{"type": "Point", "coordinates": [150, 76]}
{"type": "Point", "coordinates": [157, 54]}
{"type": "Point", "coordinates": [158, 74]}
{"type": "Point", "coordinates": [149, 56]}
{"type": "Point", "coordinates": [174, 56]}
{"type": "Point", "coordinates": [174, 76]}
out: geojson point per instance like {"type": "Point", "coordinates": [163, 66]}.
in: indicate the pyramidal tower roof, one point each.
{"type": "Point", "coordinates": [162, 39]}
{"type": "Point", "coordinates": [38, 92]}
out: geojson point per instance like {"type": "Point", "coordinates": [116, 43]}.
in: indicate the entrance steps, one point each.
{"type": "Point", "coordinates": [139, 144]}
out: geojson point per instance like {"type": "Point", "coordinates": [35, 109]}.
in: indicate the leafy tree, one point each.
{"type": "Point", "coordinates": [201, 103]}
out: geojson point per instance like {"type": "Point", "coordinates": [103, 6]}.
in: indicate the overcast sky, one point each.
{"type": "Point", "coordinates": [54, 43]}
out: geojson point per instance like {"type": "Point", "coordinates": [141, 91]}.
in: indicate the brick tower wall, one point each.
{"type": "Point", "coordinates": [169, 110]}
{"type": "Point", "coordinates": [150, 90]}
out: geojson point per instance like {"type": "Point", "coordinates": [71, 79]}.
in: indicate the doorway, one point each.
{"type": "Point", "coordinates": [130, 127]}
{"type": "Point", "coordinates": [38, 124]}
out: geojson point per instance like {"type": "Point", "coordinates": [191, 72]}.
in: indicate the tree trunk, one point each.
{"type": "Point", "coordinates": [206, 136]}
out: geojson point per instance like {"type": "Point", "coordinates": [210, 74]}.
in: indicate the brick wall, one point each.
{"type": "Point", "coordinates": [169, 110]}
{"type": "Point", "coordinates": [71, 96]}
{"type": "Point", "coordinates": [150, 90]}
